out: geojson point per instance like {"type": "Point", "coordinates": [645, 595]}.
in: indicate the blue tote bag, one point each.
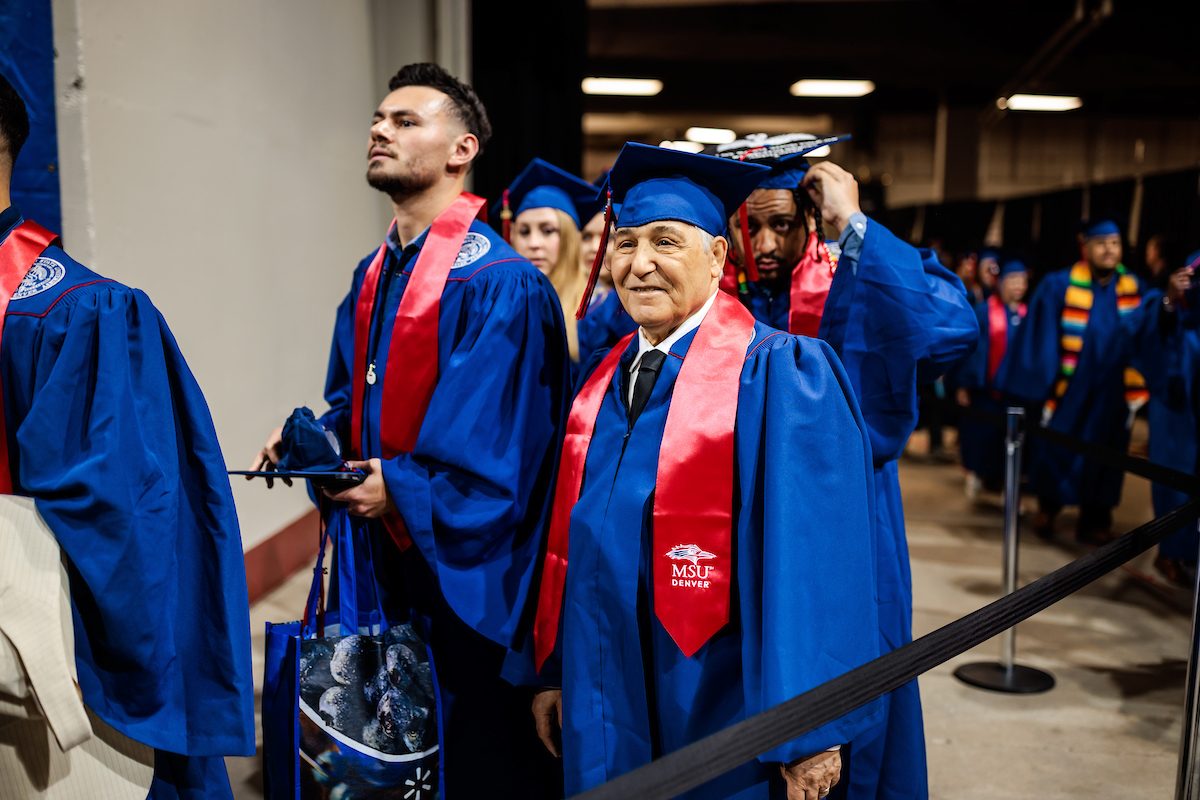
{"type": "Point", "coordinates": [348, 708]}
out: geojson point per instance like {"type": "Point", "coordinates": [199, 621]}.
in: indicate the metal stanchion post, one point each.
{"type": "Point", "coordinates": [1187, 781]}
{"type": "Point", "coordinates": [1006, 675]}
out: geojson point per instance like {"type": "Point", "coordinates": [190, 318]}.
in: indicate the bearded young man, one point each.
{"type": "Point", "coordinates": [447, 381]}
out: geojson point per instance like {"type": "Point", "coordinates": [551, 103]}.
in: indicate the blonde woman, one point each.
{"type": "Point", "coordinates": [541, 213]}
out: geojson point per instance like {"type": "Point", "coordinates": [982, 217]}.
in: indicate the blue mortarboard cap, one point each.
{"type": "Point", "coordinates": [989, 253]}
{"type": "Point", "coordinates": [1012, 266]}
{"type": "Point", "coordinates": [306, 445]}
{"type": "Point", "coordinates": [655, 183]}
{"type": "Point", "coordinates": [543, 185]}
{"type": "Point", "coordinates": [1101, 227]}
{"type": "Point", "coordinates": [1192, 259]}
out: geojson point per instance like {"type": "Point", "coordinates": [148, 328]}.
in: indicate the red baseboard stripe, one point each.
{"type": "Point", "coordinates": [275, 559]}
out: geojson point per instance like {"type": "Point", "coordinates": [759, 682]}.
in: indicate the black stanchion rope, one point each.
{"type": "Point", "coordinates": [701, 761]}
{"type": "Point", "coordinates": [1174, 479]}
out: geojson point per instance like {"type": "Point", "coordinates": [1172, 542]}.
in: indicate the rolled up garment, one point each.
{"type": "Point", "coordinates": [50, 745]}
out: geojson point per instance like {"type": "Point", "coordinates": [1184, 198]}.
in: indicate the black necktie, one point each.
{"type": "Point", "coordinates": [648, 369]}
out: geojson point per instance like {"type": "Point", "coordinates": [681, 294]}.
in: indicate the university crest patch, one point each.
{"type": "Point", "coordinates": [474, 247]}
{"type": "Point", "coordinates": [43, 275]}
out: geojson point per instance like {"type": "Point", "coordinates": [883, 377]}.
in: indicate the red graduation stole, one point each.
{"type": "Point", "coordinates": [17, 255]}
{"type": "Point", "coordinates": [412, 359]}
{"type": "Point", "coordinates": [693, 498]}
{"type": "Point", "coordinates": [811, 280]}
{"type": "Point", "coordinates": [998, 334]}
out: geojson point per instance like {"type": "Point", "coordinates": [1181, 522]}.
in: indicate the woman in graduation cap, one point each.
{"type": "Point", "coordinates": [710, 548]}
{"type": "Point", "coordinates": [542, 211]}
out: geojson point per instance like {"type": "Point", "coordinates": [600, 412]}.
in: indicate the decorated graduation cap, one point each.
{"type": "Point", "coordinates": [1105, 226]}
{"type": "Point", "coordinates": [1012, 267]}
{"type": "Point", "coordinates": [786, 156]}
{"type": "Point", "coordinates": [653, 184]}
{"type": "Point", "coordinates": [543, 185]}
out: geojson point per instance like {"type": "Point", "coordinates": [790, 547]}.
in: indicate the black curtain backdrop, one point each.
{"type": "Point", "coordinates": [1171, 206]}
{"type": "Point", "coordinates": [960, 226]}
{"type": "Point", "coordinates": [527, 63]}
{"type": "Point", "coordinates": [1057, 246]}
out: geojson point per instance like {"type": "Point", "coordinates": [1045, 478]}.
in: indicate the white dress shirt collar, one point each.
{"type": "Point", "coordinates": [690, 324]}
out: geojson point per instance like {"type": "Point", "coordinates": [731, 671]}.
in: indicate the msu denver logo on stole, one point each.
{"type": "Point", "coordinates": [690, 575]}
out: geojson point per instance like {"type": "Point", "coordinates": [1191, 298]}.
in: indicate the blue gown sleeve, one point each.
{"type": "Point", "coordinates": [1154, 346]}
{"type": "Point", "coordinates": [476, 488]}
{"type": "Point", "coordinates": [1032, 361]}
{"type": "Point", "coordinates": [807, 586]}
{"type": "Point", "coordinates": [897, 318]}
{"type": "Point", "coordinates": [119, 452]}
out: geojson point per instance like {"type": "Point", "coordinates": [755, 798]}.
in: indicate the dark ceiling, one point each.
{"type": "Point", "coordinates": [1140, 60]}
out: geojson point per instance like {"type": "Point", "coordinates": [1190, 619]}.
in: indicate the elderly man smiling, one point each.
{"type": "Point", "coordinates": [710, 544]}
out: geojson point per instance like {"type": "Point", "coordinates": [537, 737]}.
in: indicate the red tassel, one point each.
{"type": "Point", "coordinates": [747, 244]}
{"type": "Point", "coordinates": [598, 261]}
{"type": "Point", "coordinates": [506, 216]}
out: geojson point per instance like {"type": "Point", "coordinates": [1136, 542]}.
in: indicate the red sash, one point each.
{"type": "Point", "coordinates": [811, 280]}
{"type": "Point", "coordinates": [17, 255]}
{"type": "Point", "coordinates": [693, 499]}
{"type": "Point", "coordinates": [412, 358]}
{"type": "Point", "coordinates": [998, 334]}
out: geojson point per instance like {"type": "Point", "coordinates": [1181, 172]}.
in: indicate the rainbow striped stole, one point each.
{"type": "Point", "coordinates": [1077, 307]}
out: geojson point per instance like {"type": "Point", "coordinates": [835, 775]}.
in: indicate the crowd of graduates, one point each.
{"type": "Point", "coordinates": [627, 460]}
{"type": "Point", "coordinates": [1147, 354]}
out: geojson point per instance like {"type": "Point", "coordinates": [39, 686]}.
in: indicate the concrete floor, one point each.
{"type": "Point", "coordinates": [1109, 728]}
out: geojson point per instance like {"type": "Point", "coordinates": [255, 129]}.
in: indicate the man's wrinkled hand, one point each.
{"type": "Point", "coordinates": [834, 191]}
{"type": "Point", "coordinates": [370, 498]}
{"type": "Point", "coordinates": [269, 456]}
{"type": "Point", "coordinates": [547, 715]}
{"type": "Point", "coordinates": [814, 776]}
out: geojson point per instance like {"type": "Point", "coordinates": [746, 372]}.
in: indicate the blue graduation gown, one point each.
{"type": "Point", "coordinates": [110, 435]}
{"type": "Point", "coordinates": [897, 318]}
{"type": "Point", "coordinates": [982, 442]}
{"type": "Point", "coordinates": [603, 326]}
{"type": "Point", "coordinates": [803, 608]}
{"type": "Point", "coordinates": [474, 491]}
{"type": "Point", "coordinates": [769, 302]}
{"type": "Point", "coordinates": [1093, 409]}
{"type": "Point", "coordinates": [1168, 355]}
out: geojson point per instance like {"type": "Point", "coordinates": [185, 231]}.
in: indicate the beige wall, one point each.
{"type": "Point", "coordinates": [212, 154]}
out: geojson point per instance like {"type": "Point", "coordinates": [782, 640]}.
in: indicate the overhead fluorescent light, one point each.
{"type": "Point", "coordinates": [710, 135]}
{"type": "Point", "coordinates": [625, 87]}
{"type": "Point", "coordinates": [1039, 102]}
{"type": "Point", "coordinates": [689, 147]}
{"type": "Point", "coordinates": [831, 88]}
